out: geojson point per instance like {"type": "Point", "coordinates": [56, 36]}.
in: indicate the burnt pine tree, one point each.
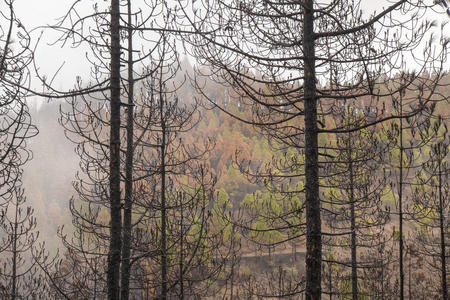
{"type": "Point", "coordinates": [148, 230]}
{"type": "Point", "coordinates": [115, 234]}
{"type": "Point", "coordinates": [105, 56]}
{"type": "Point", "coordinates": [109, 86]}
{"type": "Point", "coordinates": [406, 140]}
{"type": "Point", "coordinates": [175, 193]}
{"type": "Point", "coordinates": [278, 58]}
{"type": "Point", "coordinates": [431, 206]}
{"type": "Point", "coordinates": [352, 206]}
{"type": "Point", "coordinates": [105, 46]}
{"type": "Point", "coordinates": [20, 273]}
{"type": "Point", "coordinates": [128, 203]}
{"type": "Point", "coordinates": [16, 127]}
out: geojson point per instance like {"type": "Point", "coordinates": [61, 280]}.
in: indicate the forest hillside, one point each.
{"type": "Point", "coordinates": [237, 160]}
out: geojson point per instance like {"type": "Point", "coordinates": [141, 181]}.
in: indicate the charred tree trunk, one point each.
{"type": "Point", "coordinates": [14, 251]}
{"type": "Point", "coordinates": [164, 290]}
{"type": "Point", "coordinates": [400, 208]}
{"type": "Point", "coordinates": [126, 247]}
{"type": "Point", "coordinates": [442, 230]}
{"type": "Point", "coordinates": [114, 255]}
{"type": "Point", "coordinates": [353, 226]}
{"type": "Point", "coordinates": [313, 219]}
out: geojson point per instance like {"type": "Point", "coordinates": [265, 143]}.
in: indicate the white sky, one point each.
{"type": "Point", "coordinates": [33, 13]}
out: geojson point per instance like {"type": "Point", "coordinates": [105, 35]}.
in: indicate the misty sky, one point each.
{"type": "Point", "coordinates": [33, 13]}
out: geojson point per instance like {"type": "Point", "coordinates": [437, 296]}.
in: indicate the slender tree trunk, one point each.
{"type": "Point", "coordinates": [353, 227]}
{"type": "Point", "coordinates": [95, 278]}
{"type": "Point", "coordinates": [14, 251]}
{"type": "Point", "coordinates": [181, 253]}
{"type": "Point", "coordinates": [313, 219]}
{"type": "Point", "coordinates": [113, 273]}
{"type": "Point", "coordinates": [126, 247]}
{"type": "Point", "coordinates": [382, 283]}
{"type": "Point", "coordinates": [232, 280]}
{"type": "Point", "coordinates": [409, 278]}
{"type": "Point", "coordinates": [400, 209]}
{"type": "Point", "coordinates": [163, 197]}
{"type": "Point", "coordinates": [442, 229]}
{"type": "Point", "coordinates": [330, 281]}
